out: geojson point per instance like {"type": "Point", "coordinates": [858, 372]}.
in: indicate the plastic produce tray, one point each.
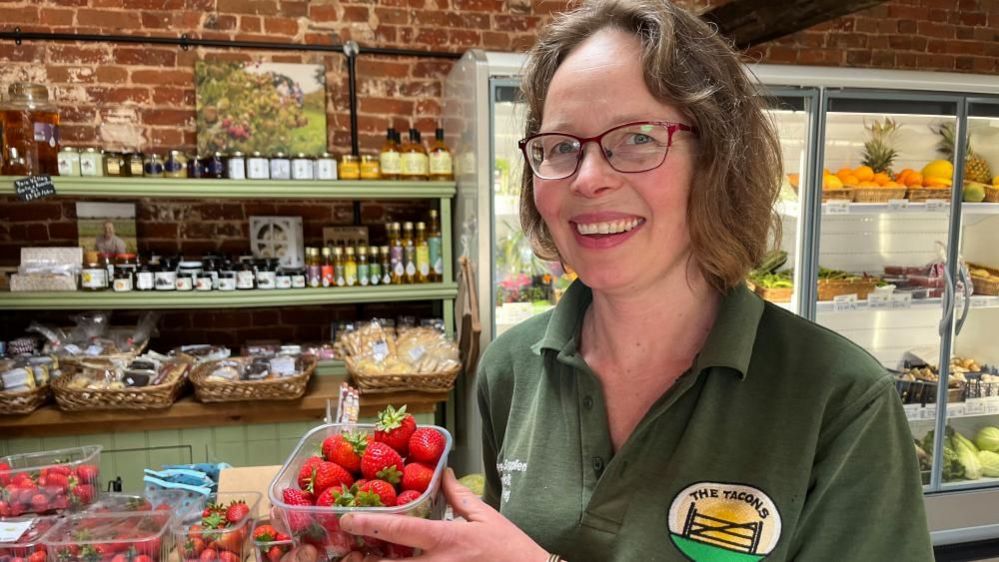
{"type": "Point", "coordinates": [51, 482]}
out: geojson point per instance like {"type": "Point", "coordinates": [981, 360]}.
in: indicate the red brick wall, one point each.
{"type": "Point", "coordinates": [142, 96]}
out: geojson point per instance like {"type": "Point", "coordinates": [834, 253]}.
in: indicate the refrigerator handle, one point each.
{"type": "Point", "coordinates": [948, 301]}
{"type": "Point", "coordinates": [963, 273]}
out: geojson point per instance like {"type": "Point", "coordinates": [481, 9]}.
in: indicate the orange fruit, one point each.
{"type": "Point", "coordinates": [935, 183]}
{"type": "Point", "coordinates": [844, 172]}
{"type": "Point", "coordinates": [881, 178]}
{"type": "Point", "coordinates": [868, 184]}
{"type": "Point", "coordinates": [850, 180]}
{"type": "Point", "coordinates": [915, 179]}
{"type": "Point", "coordinates": [893, 184]}
{"type": "Point", "coordinates": [793, 179]}
{"type": "Point", "coordinates": [864, 173]}
{"type": "Point", "coordinates": [900, 177]}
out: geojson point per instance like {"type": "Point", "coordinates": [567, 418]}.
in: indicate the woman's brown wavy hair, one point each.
{"type": "Point", "coordinates": [686, 64]}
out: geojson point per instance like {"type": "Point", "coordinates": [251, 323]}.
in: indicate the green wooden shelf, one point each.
{"type": "Point", "coordinates": [331, 368]}
{"type": "Point", "coordinates": [107, 300]}
{"type": "Point", "coordinates": [241, 189]}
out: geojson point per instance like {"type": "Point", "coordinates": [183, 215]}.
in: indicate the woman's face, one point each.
{"type": "Point", "coordinates": [599, 86]}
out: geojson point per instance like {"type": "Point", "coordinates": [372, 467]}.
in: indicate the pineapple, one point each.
{"type": "Point", "coordinates": [975, 167]}
{"type": "Point", "coordinates": [879, 153]}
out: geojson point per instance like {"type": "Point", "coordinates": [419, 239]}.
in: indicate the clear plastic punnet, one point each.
{"type": "Point", "coordinates": [21, 537]}
{"type": "Point", "coordinates": [141, 536]}
{"type": "Point", "coordinates": [51, 482]}
{"type": "Point", "coordinates": [320, 525]}
{"type": "Point", "coordinates": [221, 530]}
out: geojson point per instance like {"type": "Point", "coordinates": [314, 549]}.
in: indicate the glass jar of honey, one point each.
{"type": "Point", "coordinates": [30, 131]}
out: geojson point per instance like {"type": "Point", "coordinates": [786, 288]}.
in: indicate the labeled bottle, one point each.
{"type": "Point", "coordinates": [30, 135]}
{"type": "Point", "coordinates": [339, 267]}
{"type": "Point", "coordinates": [389, 158]}
{"type": "Point", "coordinates": [440, 158]}
{"type": "Point", "coordinates": [409, 253]}
{"type": "Point", "coordinates": [327, 272]}
{"type": "Point", "coordinates": [313, 267]}
{"type": "Point", "coordinates": [350, 267]}
{"type": "Point", "coordinates": [434, 242]}
{"type": "Point", "coordinates": [397, 266]}
{"type": "Point", "coordinates": [422, 254]}
{"type": "Point", "coordinates": [375, 266]}
{"type": "Point", "coordinates": [363, 268]}
{"type": "Point", "coordinates": [414, 158]}
{"type": "Point", "coordinates": [386, 265]}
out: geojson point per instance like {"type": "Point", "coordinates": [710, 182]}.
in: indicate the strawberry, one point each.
{"type": "Point", "coordinates": [346, 449]}
{"type": "Point", "coordinates": [226, 556]}
{"type": "Point", "coordinates": [381, 461]}
{"type": "Point", "coordinates": [236, 512]}
{"type": "Point", "coordinates": [119, 558]}
{"type": "Point", "coordinates": [384, 491]}
{"type": "Point", "coordinates": [395, 551]}
{"type": "Point", "coordinates": [208, 555]}
{"type": "Point", "coordinates": [39, 503]}
{"type": "Point", "coordinates": [83, 493]}
{"type": "Point", "coordinates": [407, 496]}
{"type": "Point", "coordinates": [282, 537]}
{"type": "Point", "coordinates": [417, 476]}
{"type": "Point", "coordinates": [38, 556]}
{"type": "Point", "coordinates": [87, 473]}
{"type": "Point", "coordinates": [4, 474]}
{"type": "Point", "coordinates": [329, 474]}
{"type": "Point", "coordinates": [194, 546]}
{"type": "Point", "coordinates": [292, 496]}
{"type": "Point", "coordinates": [143, 558]}
{"type": "Point", "coordinates": [231, 541]}
{"type": "Point", "coordinates": [275, 553]}
{"type": "Point", "coordinates": [308, 469]}
{"type": "Point", "coordinates": [426, 445]}
{"type": "Point", "coordinates": [265, 533]}
{"type": "Point", "coordinates": [394, 428]}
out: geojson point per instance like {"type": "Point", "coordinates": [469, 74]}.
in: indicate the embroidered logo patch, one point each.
{"type": "Point", "coordinates": [716, 522]}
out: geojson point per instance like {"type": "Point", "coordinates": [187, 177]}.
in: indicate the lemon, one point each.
{"type": "Point", "coordinates": [938, 169]}
{"type": "Point", "coordinates": [831, 182]}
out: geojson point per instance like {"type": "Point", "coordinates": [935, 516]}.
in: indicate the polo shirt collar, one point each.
{"type": "Point", "coordinates": [729, 344]}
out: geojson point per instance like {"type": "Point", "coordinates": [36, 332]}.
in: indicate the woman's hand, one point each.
{"type": "Point", "coordinates": [484, 535]}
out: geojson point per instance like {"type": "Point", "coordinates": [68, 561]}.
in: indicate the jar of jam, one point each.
{"type": "Point", "coordinates": [227, 280]}
{"type": "Point", "coordinates": [165, 277]}
{"type": "Point", "coordinates": [214, 166]}
{"type": "Point", "coordinates": [283, 279]}
{"type": "Point", "coordinates": [302, 167]}
{"type": "Point", "coordinates": [267, 274]}
{"type": "Point", "coordinates": [298, 278]}
{"type": "Point", "coordinates": [175, 165]}
{"type": "Point", "coordinates": [114, 164]}
{"type": "Point", "coordinates": [185, 280]}
{"type": "Point", "coordinates": [370, 167]}
{"type": "Point", "coordinates": [94, 275]}
{"type": "Point", "coordinates": [245, 277]}
{"type": "Point", "coordinates": [235, 166]}
{"type": "Point", "coordinates": [144, 278]}
{"type": "Point", "coordinates": [152, 166]}
{"type": "Point", "coordinates": [349, 168]}
{"type": "Point", "coordinates": [91, 162]}
{"type": "Point", "coordinates": [195, 167]}
{"type": "Point", "coordinates": [280, 167]}
{"type": "Point", "coordinates": [133, 167]}
{"type": "Point", "coordinates": [257, 167]}
{"type": "Point", "coordinates": [123, 280]}
{"type": "Point", "coordinates": [30, 134]}
{"type": "Point", "coordinates": [203, 281]}
{"type": "Point", "coordinates": [326, 167]}
{"type": "Point", "coordinates": [69, 161]}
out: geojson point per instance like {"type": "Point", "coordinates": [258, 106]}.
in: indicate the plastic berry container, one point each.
{"type": "Point", "coordinates": [141, 536]}
{"type": "Point", "coordinates": [220, 535]}
{"type": "Point", "coordinates": [320, 527]}
{"type": "Point", "coordinates": [51, 482]}
{"type": "Point", "coordinates": [119, 503]}
{"type": "Point", "coordinates": [21, 537]}
{"type": "Point", "coordinates": [271, 550]}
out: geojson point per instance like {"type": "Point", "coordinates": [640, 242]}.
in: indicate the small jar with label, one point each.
{"type": "Point", "coordinates": [94, 275]}
{"type": "Point", "coordinates": [257, 167]}
{"type": "Point", "coordinates": [210, 265]}
{"type": "Point", "coordinates": [245, 277]}
{"type": "Point", "coordinates": [280, 166]}
{"type": "Point", "coordinates": [122, 280]}
{"type": "Point", "coordinates": [370, 167]}
{"type": "Point", "coordinates": [349, 168]}
{"type": "Point", "coordinates": [215, 166]}
{"type": "Point", "coordinates": [235, 166]}
{"type": "Point", "coordinates": [185, 280]}
{"type": "Point", "coordinates": [227, 280]}
{"type": "Point", "coordinates": [326, 167]}
{"type": "Point", "coordinates": [203, 281]}
{"type": "Point", "coordinates": [91, 163]}
{"type": "Point", "coordinates": [266, 274]}
{"type": "Point", "coordinates": [302, 167]}
{"type": "Point", "coordinates": [114, 164]}
{"type": "Point", "coordinates": [152, 166]}
{"type": "Point", "coordinates": [298, 278]}
{"type": "Point", "coordinates": [195, 167]}
{"type": "Point", "coordinates": [133, 165]}
{"type": "Point", "coordinates": [69, 162]}
{"type": "Point", "coordinates": [175, 165]}
{"type": "Point", "coordinates": [144, 278]}
{"type": "Point", "coordinates": [165, 278]}
{"type": "Point", "coordinates": [283, 279]}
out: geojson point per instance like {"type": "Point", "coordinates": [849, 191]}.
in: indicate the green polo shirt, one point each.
{"type": "Point", "coordinates": [784, 441]}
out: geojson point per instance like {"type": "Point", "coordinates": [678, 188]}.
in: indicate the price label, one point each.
{"type": "Point", "coordinates": [898, 204]}
{"type": "Point", "coordinates": [842, 303]}
{"type": "Point", "coordinates": [901, 300]}
{"type": "Point", "coordinates": [34, 187]}
{"type": "Point", "coordinates": [11, 531]}
{"type": "Point", "coordinates": [991, 405]}
{"type": "Point", "coordinates": [975, 407]}
{"type": "Point", "coordinates": [980, 302]}
{"type": "Point", "coordinates": [913, 411]}
{"type": "Point", "coordinates": [957, 410]}
{"type": "Point", "coordinates": [837, 207]}
{"type": "Point", "coordinates": [380, 351]}
{"type": "Point", "coordinates": [878, 300]}
{"type": "Point", "coordinates": [930, 412]}
{"type": "Point", "coordinates": [938, 205]}
{"type": "Point", "coordinates": [416, 353]}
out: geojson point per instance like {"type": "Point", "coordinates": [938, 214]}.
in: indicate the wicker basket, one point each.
{"type": "Point", "coordinates": [283, 388]}
{"type": "Point", "coordinates": [152, 397]}
{"type": "Point", "coordinates": [780, 294]}
{"type": "Point", "coordinates": [924, 193]}
{"type": "Point", "coordinates": [985, 286]}
{"type": "Point", "coordinates": [845, 194]}
{"type": "Point", "coordinates": [24, 402]}
{"type": "Point", "coordinates": [991, 194]}
{"type": "Point", "coordinates": [828, 289]}
{"type": "Point", "coordinates": [878, 194]}
{"type": "Point", "coordinates": [421, 382]}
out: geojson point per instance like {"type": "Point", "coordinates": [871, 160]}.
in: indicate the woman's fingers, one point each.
{"type": "Point", "coordinates": [463, 501]}
{"type": "Point", "coordinates": [407, 531]}
{"type": "Point", "coordinates": [304, 553]}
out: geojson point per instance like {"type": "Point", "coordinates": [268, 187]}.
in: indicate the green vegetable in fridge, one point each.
{"type": "Point", "coordinates": [952, 467]}
{"type": "Point", "coordinates": [967, 453]}
{"type": "Point", "coordinates": [771, 263]}
{"type": "Point", "coordinates": [990, 463]}
{"type": "Point", "coordinates": [988, 439]}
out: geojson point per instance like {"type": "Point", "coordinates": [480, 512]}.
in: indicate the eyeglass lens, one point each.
{"type": "Point", "coordinates": [632, 148]}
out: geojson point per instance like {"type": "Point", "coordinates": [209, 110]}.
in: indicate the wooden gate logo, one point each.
{"type": "Point", "coordinates": [714, 522]}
